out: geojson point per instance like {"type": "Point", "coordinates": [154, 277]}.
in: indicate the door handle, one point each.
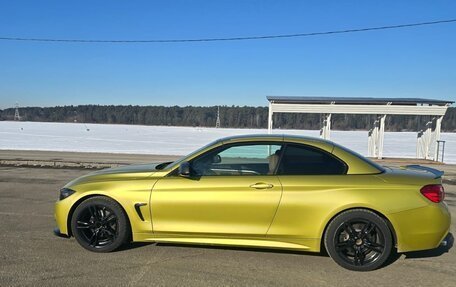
{"type": "Point", "coordinates": [262, 185]}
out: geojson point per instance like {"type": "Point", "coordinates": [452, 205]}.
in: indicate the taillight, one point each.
{"type": "Point", "coordinates": [433, 192]}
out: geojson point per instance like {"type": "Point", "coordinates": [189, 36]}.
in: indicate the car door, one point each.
{"type": "Point", "coordinates": [312, 179]}
{"type": "Point", "coordinates": [233, 190]}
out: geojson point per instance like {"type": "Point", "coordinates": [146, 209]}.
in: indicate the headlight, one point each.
{"type": "Point", "coordinates": [65, 192]}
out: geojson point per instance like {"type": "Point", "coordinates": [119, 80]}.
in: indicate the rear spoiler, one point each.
{"type": "Point", "coordinates": [436, 172]}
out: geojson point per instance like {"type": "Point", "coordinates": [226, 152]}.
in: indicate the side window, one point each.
{"type": "Point", "coordinates": [305, 160]}
{"type": "Point", "coordinates": [247, 159]}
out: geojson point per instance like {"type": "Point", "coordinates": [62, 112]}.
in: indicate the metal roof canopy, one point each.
{"type": "Point", "coordinates": [366, 106]}
{"type": "Point", "coordinates": [356, 100]}
{"type": "Point", "coordinates": [369, 106]}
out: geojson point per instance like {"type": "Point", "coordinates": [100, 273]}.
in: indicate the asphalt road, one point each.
{"type": "Point", "coordinates": [32, 255]}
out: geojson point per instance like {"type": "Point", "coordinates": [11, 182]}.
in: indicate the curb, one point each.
{"type": "Point", "coordinates": [57, 164]}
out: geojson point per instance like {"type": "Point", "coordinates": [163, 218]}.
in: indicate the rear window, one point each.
{"type": "Point", "coordinates": [365, 159]}
{"type": "Point", "coordinates": [306, 160]}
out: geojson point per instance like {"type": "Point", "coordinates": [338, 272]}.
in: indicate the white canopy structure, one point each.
{"type": "Point", "coordinates": [381, 107]}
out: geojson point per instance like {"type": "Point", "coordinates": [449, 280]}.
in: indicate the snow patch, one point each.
{"type": "Point", "coordinates": [168, 140]}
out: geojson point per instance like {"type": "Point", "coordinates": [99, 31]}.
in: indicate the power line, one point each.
{"type": "Point", "coordinates": [230, 38]}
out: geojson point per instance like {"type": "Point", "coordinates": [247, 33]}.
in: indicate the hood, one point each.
{"type": "Point", "coordinates": [139, 171]}
{"type": "Point", "coordinates": [135, 168]}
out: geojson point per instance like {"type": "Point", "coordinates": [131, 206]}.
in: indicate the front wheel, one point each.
{"type": "Point", "coordinates": [359, 240]}
{"type": "Point", "coordinates": [100, 224]}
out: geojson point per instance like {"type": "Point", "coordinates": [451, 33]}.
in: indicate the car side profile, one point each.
{"type": "Point", "coordinates": [268, 191]}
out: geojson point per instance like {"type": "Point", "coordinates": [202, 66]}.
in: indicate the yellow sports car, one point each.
{"type": "Point", "coordinates": [274, 191]}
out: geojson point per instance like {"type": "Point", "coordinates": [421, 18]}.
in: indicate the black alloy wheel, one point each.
{"type": "Point", "coordinates": [99, 224]}
{"type": "Point", "coordinates": [359, 240]}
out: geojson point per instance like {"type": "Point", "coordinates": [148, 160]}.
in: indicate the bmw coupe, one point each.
{"type": "Point", "coordinates": [268, 191]}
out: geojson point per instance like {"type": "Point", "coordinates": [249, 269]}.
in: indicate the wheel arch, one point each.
{"type": "Point", "coordinates": [388, 222]}
{"type": "Point", "coordinates": [82, 199]}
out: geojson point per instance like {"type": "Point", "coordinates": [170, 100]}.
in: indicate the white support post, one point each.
{"type": "Point", "coordinates": [325, 131]}
{"type": "Point", "coordinates": [436, 138]}
{"type": "Point", "coordinates": [370, 143]}
{"type": "Point", "coordinates": [376, 138]}
{"type": "Point", "coordinates": [381, 137]}
{"type": "Point", "coordinates": [426, 141]}
{"type": "Point", "coordinates": [270, 118]}
{"type": "Point", "coordinates": [373, 139]}
{"type": "Point", "coordinates": [419, 144]}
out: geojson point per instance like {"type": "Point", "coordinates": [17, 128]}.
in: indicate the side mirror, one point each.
{"type": "Point", "coordinates": [216, 159]}
{"type": "Point", "coordinates": [185, 169]}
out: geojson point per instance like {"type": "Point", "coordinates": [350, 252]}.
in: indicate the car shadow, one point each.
{"type": "Point", "coordinates": [241, 248]}
{"type": "Point", "coordinates": [393, 257]}
{"type": "Point", "coordinates": [134, 245]}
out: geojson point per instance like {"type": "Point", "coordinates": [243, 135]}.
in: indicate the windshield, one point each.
{"type": "Point", "coordinates": [182, 159]}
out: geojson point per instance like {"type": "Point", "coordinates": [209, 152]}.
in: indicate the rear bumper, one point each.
{"type": "Point", "coordinates": [448, 241]}
{"type": "Point", "coordinates": [421, 228]}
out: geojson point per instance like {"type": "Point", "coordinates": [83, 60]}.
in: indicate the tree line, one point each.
{"type": "Point", "coordinates": [230, 117]}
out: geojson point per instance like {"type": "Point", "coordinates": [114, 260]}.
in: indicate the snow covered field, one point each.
{"type": "Point", "coordinates": [175, 140]}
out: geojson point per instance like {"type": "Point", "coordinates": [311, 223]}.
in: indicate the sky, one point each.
{"type": "Point", "coordinates": [408, 62]}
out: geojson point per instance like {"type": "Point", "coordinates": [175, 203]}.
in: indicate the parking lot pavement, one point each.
{"type": "Point", "coordinates": [32, 255]}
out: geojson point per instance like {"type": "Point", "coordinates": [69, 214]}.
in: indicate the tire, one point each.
{"type": "Point", "coordinates": [359, 240]}
{"type": "Point", "coordinates": [100, 224]}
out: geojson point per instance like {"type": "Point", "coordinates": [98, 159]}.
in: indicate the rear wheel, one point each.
{"type": "Point", "coordinates": [99, 224]}
{"type": "Point", "coordinates": [359, 240]}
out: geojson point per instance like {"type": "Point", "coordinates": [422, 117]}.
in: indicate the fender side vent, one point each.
{"type": "Point", "coordinates": [138, 210]}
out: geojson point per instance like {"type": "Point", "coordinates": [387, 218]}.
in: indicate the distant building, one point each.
{"type": "Point", "coordinates": [428, 137]}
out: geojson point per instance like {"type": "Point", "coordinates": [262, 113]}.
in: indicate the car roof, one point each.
{"type": "Point", "coordinates": [272, 137]}
{"type": "Point", "coordinates": [316, 142]}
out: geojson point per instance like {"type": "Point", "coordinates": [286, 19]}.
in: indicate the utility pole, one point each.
{"type": "Point", "coordinates": [17, 117]}
{"type": "Point", "coordinates": [217, 123]}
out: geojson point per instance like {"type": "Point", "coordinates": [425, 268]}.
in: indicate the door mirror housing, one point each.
{"type": "Point", "coordinates": [185, 169]}
{"type": "Point", "coordinates": [216, 159]}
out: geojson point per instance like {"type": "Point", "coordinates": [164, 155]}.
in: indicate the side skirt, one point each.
{"type": "Point", "coordinates": [309, 245]}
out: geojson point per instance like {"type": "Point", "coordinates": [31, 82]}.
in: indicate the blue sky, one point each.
{"type": "Point", "coordinates": [409, 62]}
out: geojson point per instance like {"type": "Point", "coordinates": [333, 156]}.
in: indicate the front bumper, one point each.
{"type": "Point", "coordinates": [61, 210]}
{"type": "Point", "coordinates": [59, 234]}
